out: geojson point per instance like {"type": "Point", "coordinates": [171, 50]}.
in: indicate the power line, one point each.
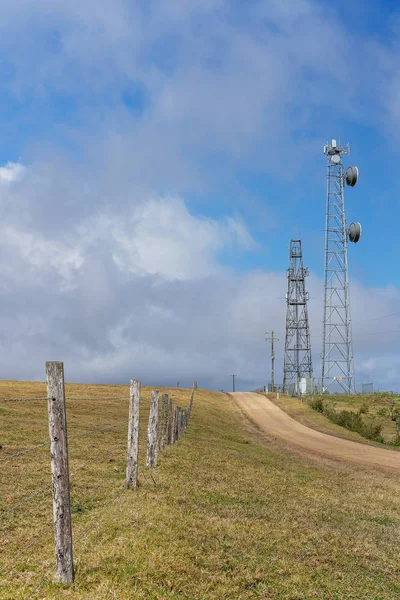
{"type": "Point", "coordinates": [354, 322]}
{"type": "Point", "coordinates": [372, 333]}
{"type": "Point", "coordinates": [378, 318]}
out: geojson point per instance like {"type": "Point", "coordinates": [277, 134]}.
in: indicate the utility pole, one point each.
{"type": "Point", "coordinates": [233, 382]}
{"type": "Point", "coordinates": [271, 338]}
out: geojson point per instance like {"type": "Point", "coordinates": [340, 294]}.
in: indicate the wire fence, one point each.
{"type": "Point", "coordinates": [101, 465]}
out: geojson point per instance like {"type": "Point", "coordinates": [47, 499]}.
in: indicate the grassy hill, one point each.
{"type": "Point", "coordinates": [227, 514]}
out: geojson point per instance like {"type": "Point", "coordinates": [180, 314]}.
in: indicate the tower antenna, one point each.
{"type": "Point", "coordinates": [337, 343]}
{"type": "Point", "coordinates": [272, 338]}
{"type": "Point", "coordinates": [297, 363]}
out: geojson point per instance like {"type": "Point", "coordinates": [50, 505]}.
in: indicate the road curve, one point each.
{"type": "Point", "coordinates": [278, 424]}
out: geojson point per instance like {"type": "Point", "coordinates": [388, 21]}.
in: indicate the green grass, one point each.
{"type": "Point", "coordinates": [227, 514]}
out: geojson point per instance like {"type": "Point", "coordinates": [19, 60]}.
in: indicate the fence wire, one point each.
{"type": "Point", "coordinates": [8, 567]}
{"type": "Point", "coordinates": [70, 437]}
{"type": "Point", "coordinates": [98, 398]}
{"type": "Point", "coordinates": [89, 527]}
{"type": "Point", "coordinates": [26, 451]}
{"type": "Point", "coordinates": [22, 502]}
{"type": "Point", "coordinates": [93, 460]}
{"type": "Point", "coordinates": [99, 509]}
{"type": "Point", "coordinates": [22, 399]}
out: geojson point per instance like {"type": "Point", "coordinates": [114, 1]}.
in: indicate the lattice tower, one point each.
{"type": "Point", "coordinates": [297, 363]}
{"type": "Point", "coordinates": [337, 346]}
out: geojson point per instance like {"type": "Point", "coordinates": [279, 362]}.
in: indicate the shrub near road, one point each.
{"type": "Point", "coordinates": [230, 515]}
{"type": "Point", "coordinates": [375, 418]}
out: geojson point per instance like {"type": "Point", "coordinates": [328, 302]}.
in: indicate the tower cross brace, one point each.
{"type": "Point", "coordinates": [298, 362]}
{"type": "Point", "coordinates": [337, 346]}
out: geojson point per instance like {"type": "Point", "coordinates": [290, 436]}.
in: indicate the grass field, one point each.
{"type": "Point", "coordinates": [227, 514]}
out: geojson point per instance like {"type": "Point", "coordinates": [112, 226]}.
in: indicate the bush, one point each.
{"type": "Point", "coordinates": [317, 404]}
{"type": "Point", "coordinates": [372, 431]}
{"type": "Point", "coordinates": [364, 408]}
{"type": "Point", "coordinates": [383, 412]}
{"type": "Point", "coordinates": [349, 419]}
{"type": "Point", "coordinates": [394, 413]}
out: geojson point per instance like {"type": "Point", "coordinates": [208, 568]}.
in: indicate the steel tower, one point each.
{"type": "Point", "coordinates": [337, 346]}
{"type": "Point", "coordinates": [297, 362]}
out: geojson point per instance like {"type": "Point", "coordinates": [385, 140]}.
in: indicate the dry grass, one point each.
{"type": "Point", "coordinates": [229, 515]}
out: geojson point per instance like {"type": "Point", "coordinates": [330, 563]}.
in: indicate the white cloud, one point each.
{"type": "Point", "coordinates": [163, 238]}
{"type": "Point", "coordinates": [156, 236]}
{"type": "Point", "coordinates": [41, 254]}
{"type": "Point", "coordinates": [11, 172]}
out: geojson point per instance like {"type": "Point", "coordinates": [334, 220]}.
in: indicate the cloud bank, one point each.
{"type": "Point", "coordinates": [116, 225]}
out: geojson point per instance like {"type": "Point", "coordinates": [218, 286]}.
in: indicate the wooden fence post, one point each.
{"type": "Point", "coordinates": [180, 423]}
{"type": "Point", "coordinates": [176, 424]}
{"type": "Point", "coordinates": [191, 400]}
{"type": "Point", "coordinates": [60, 471]}
{"type": "Point", "coordinates": [133, 435]}
{"type": "Point", "coordinates": [152, 432]}
{"type": "Point", "coordinates": [164, 422]}
{"type": "Point", "coordinates": [170, 429]}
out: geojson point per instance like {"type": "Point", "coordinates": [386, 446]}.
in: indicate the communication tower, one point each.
{"type": "Point", "coordinates": [337, 345]}
{"type": "Point", "coordinates": [297, 362]}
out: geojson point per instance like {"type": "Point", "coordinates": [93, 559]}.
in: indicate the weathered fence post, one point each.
{"type": "Point", "coordinates": [170, 429]}
{"type": "Point", "coordinates": [180, 423]}
{"type": "Point", "coordinates": [178, 436]}
{"type": "Point", "coordinates": [164, 422]}
{"type": "Point", "coordinates": [133, 435]}
{"type": "Point", "coordinates": [60, 471]}
{"type": "Point", "coordinates": [191, 398]}
{"type": "Point", "coordinates": [152, 433]}
{"type": "Point", "coordinates": [176, 423]}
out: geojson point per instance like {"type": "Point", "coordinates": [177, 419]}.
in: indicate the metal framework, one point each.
{"type": "Point", "coordinates": [337, 347]}
{"type": "Point", "coordinates": [298, 363]}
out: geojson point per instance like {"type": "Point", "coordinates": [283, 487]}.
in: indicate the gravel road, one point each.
{"type": "Point", "coordinates": [278, 424]}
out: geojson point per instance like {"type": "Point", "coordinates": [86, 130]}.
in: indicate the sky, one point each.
{"type": "Point", "coordinates": [157, 157]}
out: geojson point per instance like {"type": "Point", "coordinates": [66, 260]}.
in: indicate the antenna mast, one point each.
{"type": "Point", "coordinates": [337, 345]}
{"type": "Point", "coordinates": [298, 363]}
{"type": "Point", "coordinates": [272, 338]}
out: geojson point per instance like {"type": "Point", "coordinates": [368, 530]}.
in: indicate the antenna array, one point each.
{"type": "Point", "coordinates": [337, 346]}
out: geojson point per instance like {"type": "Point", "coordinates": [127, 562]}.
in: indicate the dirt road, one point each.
{"type": "Point", "coordinates": [278, 424]}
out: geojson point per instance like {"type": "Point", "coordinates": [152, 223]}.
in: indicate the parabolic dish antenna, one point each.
{"type": "Point", "coordinates": [351, 176]}
{"type": "Point", "coordinates": [354, 232]}
{"type": "Point", "coordinates": [335, 159]}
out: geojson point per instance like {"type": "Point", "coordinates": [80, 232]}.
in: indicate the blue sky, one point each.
{"type": "Point", "coordinates": [178, 146]}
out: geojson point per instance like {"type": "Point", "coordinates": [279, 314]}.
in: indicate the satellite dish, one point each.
{"type": "Point", "coordinates": [351, 176]}
{"type": "Point", "coordinates": [335, 159]}
{"type": "Point", "coordinates": [354, 232]}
